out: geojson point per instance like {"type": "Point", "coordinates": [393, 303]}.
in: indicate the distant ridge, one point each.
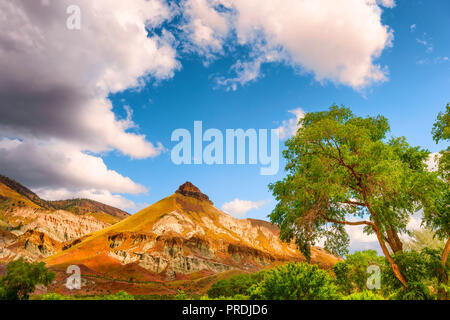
{"type": "Point", "coordinates": [34, 228]}
{"type": "Point", "coordinates": [24, 191]}
{"type": "Point", "coordinates": [78, 206]}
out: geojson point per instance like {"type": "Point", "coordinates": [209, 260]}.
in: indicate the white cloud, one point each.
{"type": "Point", "coordinates": [289, 127]}
{"type": "Point", "coordinates": [412, 27]}
{"type": "Point", "coordinates": [336, 40]}
{"type": "Point", "coordinates": [426, 43]}
{"type": "Point", "coordinates": [415, 222]}
{"type": "Point", "coordinates": [58, 170]}
{"type": "Point", "coordinates": [55, 81]}
{"type": "Point", "coordinates": [54, 88]}
{"type": "Point", "coordinates": [206, 28]}
{"type": "Point", "coordinates": [238, 208]}
{"type": "Point", "coordinates": [387, 3]}
{"type": "Point", "coordinates": [361, 241]}
{"type": "Point", "coordinates": [103, 196]}
{"type": "Point", "coordinates": [433, 161]}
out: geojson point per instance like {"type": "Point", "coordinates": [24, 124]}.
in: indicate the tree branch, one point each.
{"type": "Point", "coordinates": [356, 203]}
{"type": "Point", "coordinates": [356, 223]}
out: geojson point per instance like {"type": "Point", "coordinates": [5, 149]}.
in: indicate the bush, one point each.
{"type": "Point", "coordinates": [236, 285]}
{"type": "Point", "coordinates": [421, 270]}
{"type": "Point", "coordinates": [121, 295]}
{"type": "Point", "coordinates": [21, 279]}
{"type": "Point", "coordinates": [236, 297]}
{"type": "Point", "coordinates": [351, 274]}
{"type": "Point", "coordinates": [365, 295]}
{"type": "Point", "coordinates": [181, 295]}
{"type": "Point", "coordinates": [54, 296]}
{"type": "Point", "coordinates": [292, 281]}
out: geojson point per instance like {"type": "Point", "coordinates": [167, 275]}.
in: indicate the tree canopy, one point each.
{"type": "Point", "coordinates": [342, 171]}
{"type": "Point", "coordinates": [21, 279]}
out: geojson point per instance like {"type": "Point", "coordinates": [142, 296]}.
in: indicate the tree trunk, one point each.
{"type": "Point", "coordinates": [393, 240]}
{"type": "Point", "coordinates": [444, 278]}
{"type": "Point", "coordinates": [446, 252]}
{"type": "Point", "coordinates": [391, 260]}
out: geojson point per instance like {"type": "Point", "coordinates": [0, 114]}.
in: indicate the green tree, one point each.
{"type": "Point", "coordinates": [343, 172]}
{"type": "Point", "coordinates": [21, 279]}
{"type": "Point", "coordinates": [423, 271]}
{"type": "Point", "coordinates": [441, 128]}
{"type": "Point", "coordinates": [437, 218]}
{"type": "Point", "coordinates": [295, 281]}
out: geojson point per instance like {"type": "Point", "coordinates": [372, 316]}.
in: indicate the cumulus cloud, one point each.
{"type": "Point", "coordinates": [60, 165]}
{"type": "Point", "coordinates": [335, 40]}
{"type": "Point", "coordinates": [205, 28]}
{"type": "Point", "coordinates": [55, 82]}
{"type": "Point", "coordinates": [360, 240]}
{"type": "Point", "coordinates": [238, 208]}
{"type": "Point", "coordinates": [289, 127]}
{"type": "Point", "coordinates": [57, 170]}
{"type": "Point", "coordinates": [103, 196]}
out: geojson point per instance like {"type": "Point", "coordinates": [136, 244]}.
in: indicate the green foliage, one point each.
{"type": "Point", "coordinates": [21, 279]}
{"type": "Point", "coordinates": [441, 128]}
{"type": "Point", "coordinates": [423, 238]}
{"type": "Point", "coordinates": [235, 297]}
{"type": "Point", "coordinates": [181, 295]}
{"type": "Point", "coordinates": [364, 295]}
{"type": "Point", "coordinates": [422, 269]}
{"type": "Point", "coordinates": [236, 285]}
{"type": "Point", "coordinates": [54, 296]}
{"type": "Point", "coordinates": [437, 218]}
{"type": "Point", "coordinates": [341, 168]}
{"type": "Point", "coordinates": [351, 274]}
{"type": "Point", "coordinates": [301, 281]}
{"type": "Point", "coordinates": [121, 295]}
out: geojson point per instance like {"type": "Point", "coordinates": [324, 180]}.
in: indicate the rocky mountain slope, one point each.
{"type": "Point", "coordinates": [180, 237]}
{"type": "Point", "coordinates": [34, 228]}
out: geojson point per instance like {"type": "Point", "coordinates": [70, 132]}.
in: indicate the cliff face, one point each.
{"type": "Point", "coordinates": [189, 190]}
{"type": "Point", "coordinates": [33, 228]}
{"type": "Point", "coordinates": [181, 235]}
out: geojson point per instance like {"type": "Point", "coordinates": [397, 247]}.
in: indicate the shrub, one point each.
{"type": "Point", "coordinates": [351, 274]}
{"type": "Point", "coordinates": [121, 295]}
{"type": "Point", "coordinates": [236, 285]}
{"type": "Point", "coordinates": [300, 281]}
{"type": "Point", "coordinates": [181, 295]}
{"type": "Point", "coordinates": [54, 296]}
{"type": "Point", "coordinates": [365, 295]}
{"type": "Point", "coordinates": [421, 270]}
{"type": "Point", "coordinates": [236, 297]}
{"type": "Point", "coordinates": [21, 279]}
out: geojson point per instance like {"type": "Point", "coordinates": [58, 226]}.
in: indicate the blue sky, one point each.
{"type": "Point", "coordinates": [417, 89]}
{"type": "Point", "coordinates": [113, 90]}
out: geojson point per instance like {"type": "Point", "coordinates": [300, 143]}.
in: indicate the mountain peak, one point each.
{"type": "Point", "coordinates": [189, 190]}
